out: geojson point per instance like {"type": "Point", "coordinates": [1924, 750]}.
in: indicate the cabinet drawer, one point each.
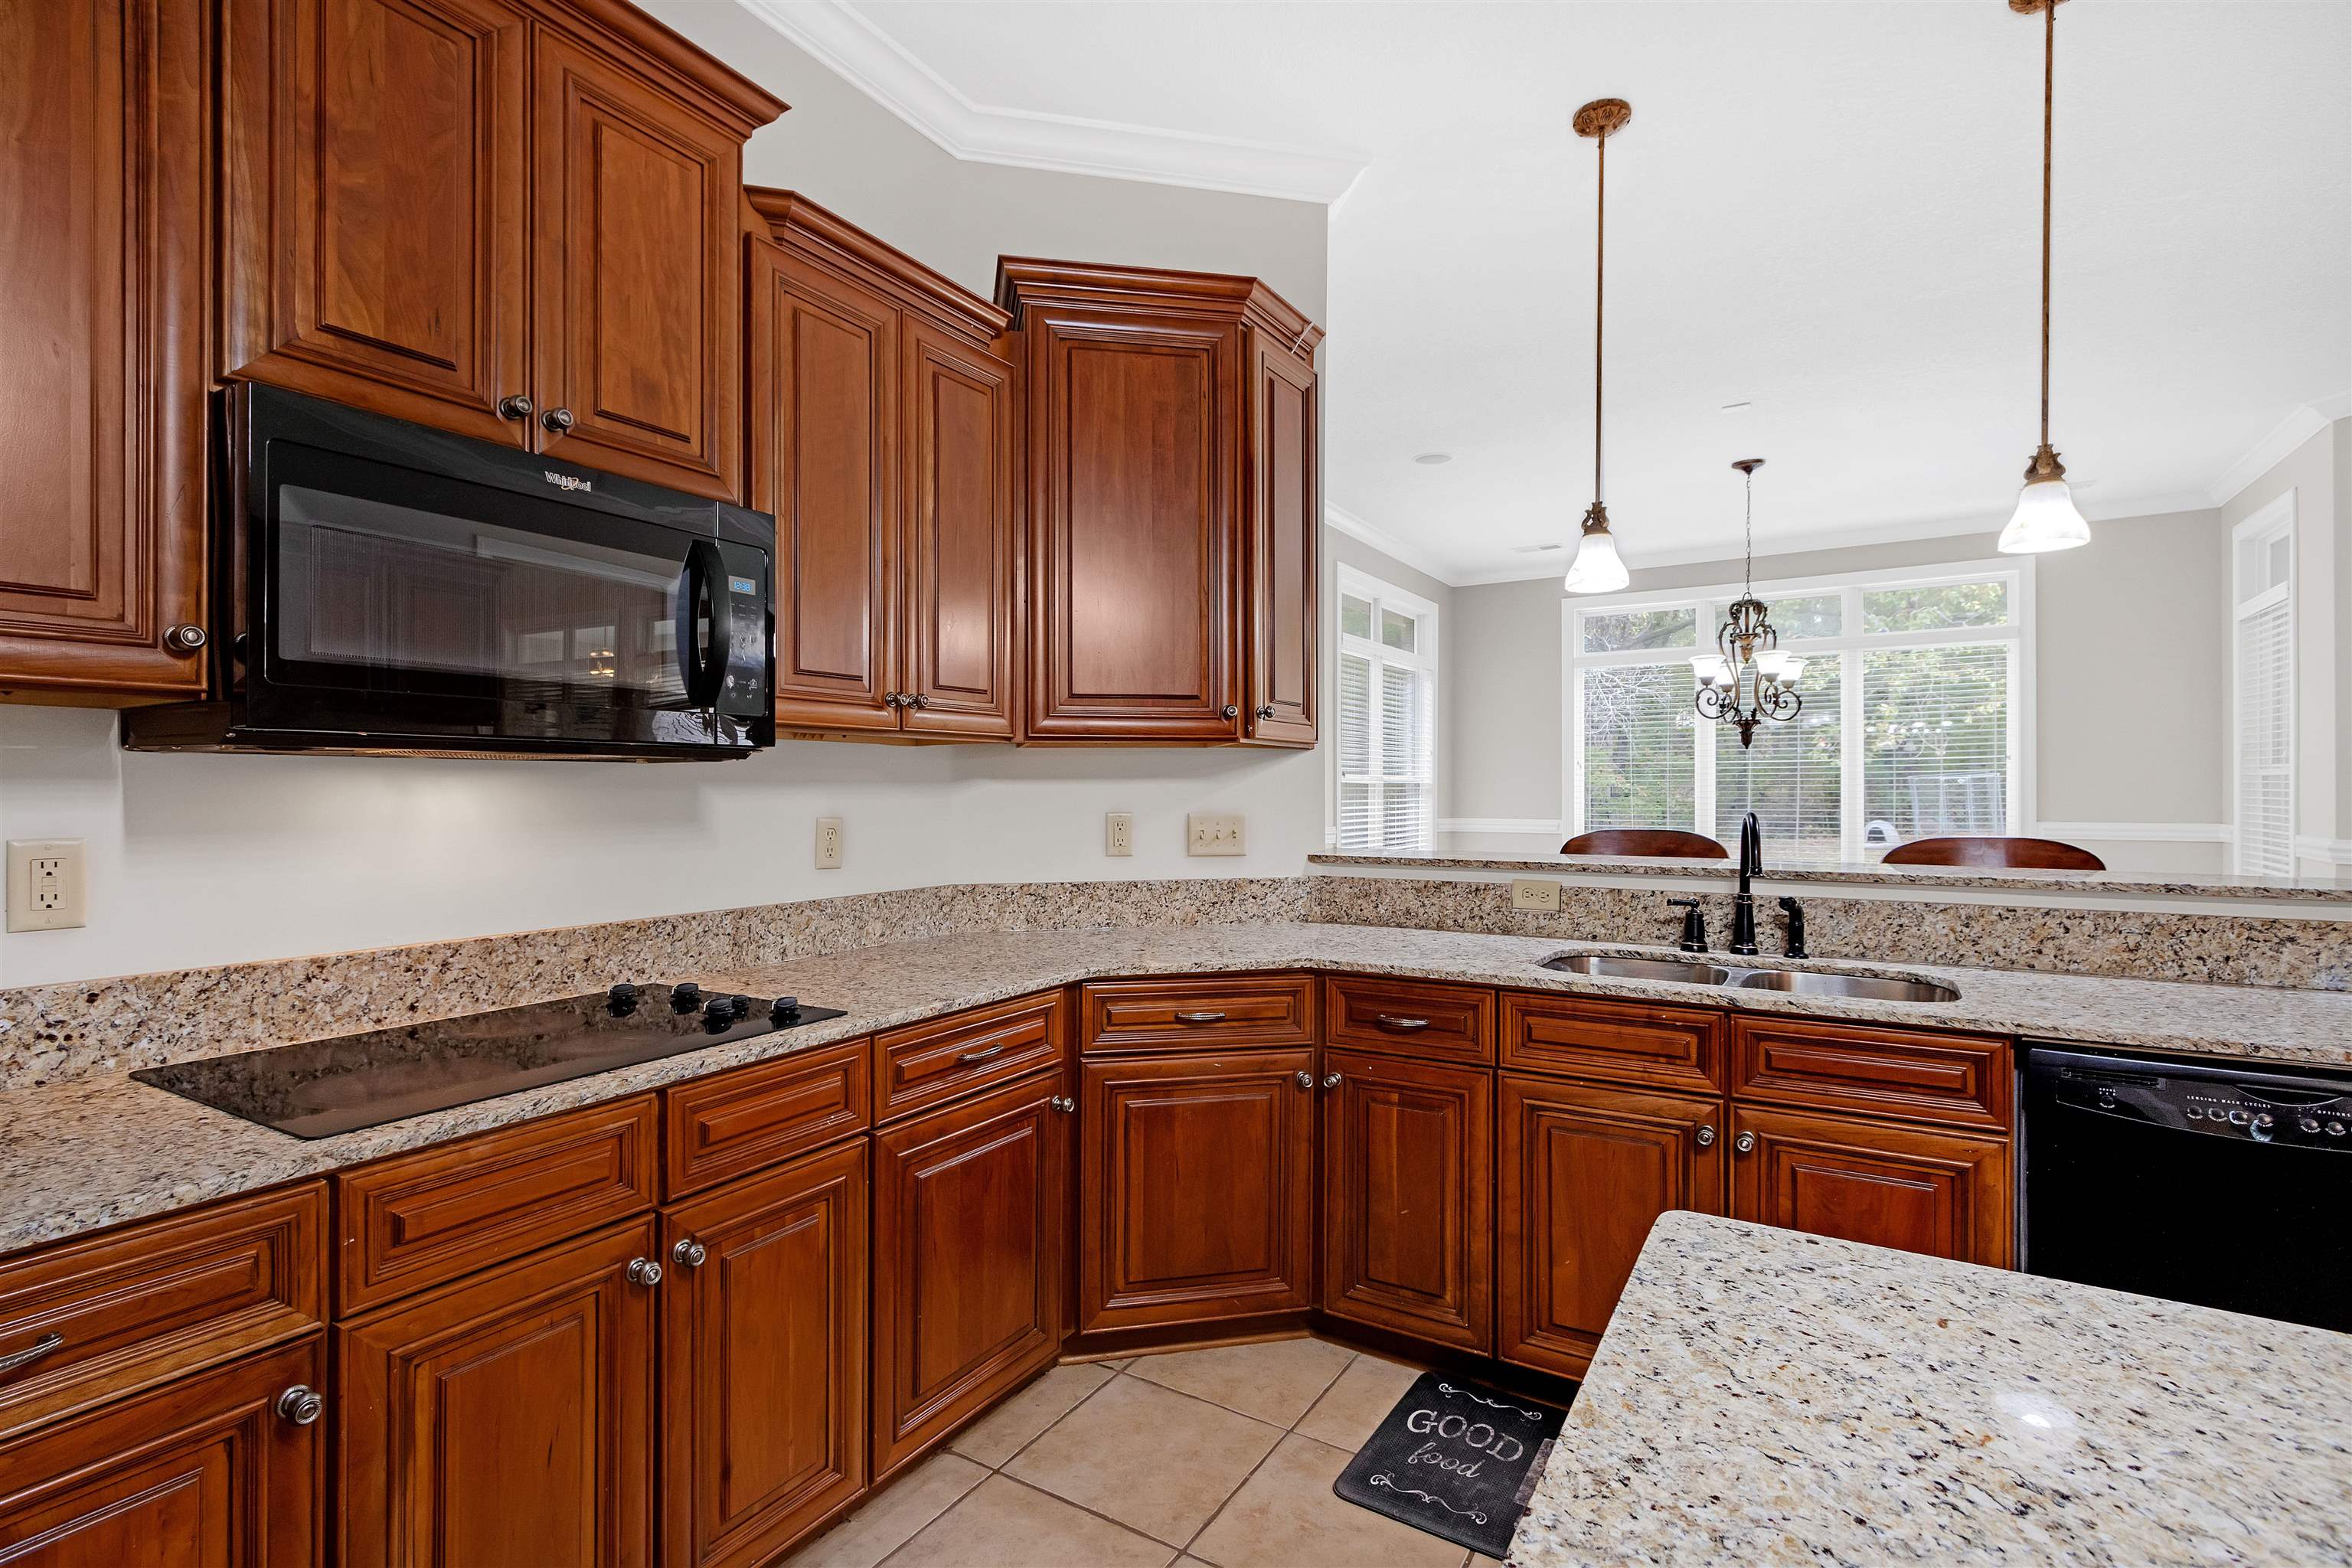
{"type": "Point", "coordinates": [418, 1219]}
{"type": "Point", "coordinates": [133, 1306]}
{"type": "Point", "coordinates": [1216, 1013]}
{"type": "Point", "coordinates": [1962, 1080]}
{"type": "Point", "coordinates": [732, 1123]}
{"type": "Point", "coordinates": [1409, 1018]}
{"type": "Point", "coordinates": [1649, 1043]}
{"type": "Point", "coordinates": [946, 1058]}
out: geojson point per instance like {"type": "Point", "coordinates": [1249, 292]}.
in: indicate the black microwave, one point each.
{"type": "Point", "coordinates": [384, 587]}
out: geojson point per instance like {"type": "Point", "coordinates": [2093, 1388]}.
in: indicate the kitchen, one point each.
{"type": "Point", "coordinates": [1162, 770]}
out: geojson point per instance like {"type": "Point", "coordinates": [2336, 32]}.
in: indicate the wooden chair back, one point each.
{"type": "Point", "coordinates": [2007, 854]}
{"type": "Point", "coordinates": [1669, 843]}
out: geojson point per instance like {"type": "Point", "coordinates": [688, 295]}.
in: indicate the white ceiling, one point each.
{"type": "Point", "coordinates": [1827, 211]}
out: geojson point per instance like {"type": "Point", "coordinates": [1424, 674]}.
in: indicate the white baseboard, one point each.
{"type": "Point", "coordinates": [2138, 832]}
{"type": "Point", "coordinates": [1534, 826]}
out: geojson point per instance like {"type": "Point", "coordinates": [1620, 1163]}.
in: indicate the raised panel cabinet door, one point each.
{"type": "Point", "coordinates": [763, 1359]}
{"type": "Point", "coordinates": [1133, 576]}
{"type": "Point", "coordinates": [1284, 536]}
{"type": "Point", "coordinates": [1948, 1195]}
{"type": "Point", "coordinates": [960, 549]}
{"type": "Point", "coordinates": [824, 455]}
{"type": "Point", "coordinates": [201, 1473]}
{"type": "Point", "coordinates": [1408, 1196]}
{"type": "Point", "coordinates": [636, 279]}
{"type": "Point", "coordinates": [1582, 1172]}
{"type": "Point", "coordinates": [1196, 1190]}
{"type": "Point", "coordinates": [375, 214]}
{"type": "Point", "coordinates": [103, 114]}
{"type": "Point", "coordinates": [505, 1418]}
{"type": "Point", "coordinates": [969, 1220]}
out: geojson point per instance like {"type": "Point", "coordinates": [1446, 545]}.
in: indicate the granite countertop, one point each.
{"type": "Point", "coordinates": [1762, 1396]}
{"type": "Point", "coordinates": [1871, 874]}
{"type": "Point", "coordinates": [88, 1153]}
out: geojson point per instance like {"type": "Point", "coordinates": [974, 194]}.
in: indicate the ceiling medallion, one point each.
{"type": "Point", "coordinates": [1751, 679]}
{"type": "Point", "coordinates": [1597, 568]}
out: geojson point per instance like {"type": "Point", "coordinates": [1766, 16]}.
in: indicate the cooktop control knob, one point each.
{"type": "Point", "coordinates": [785, 1007]}
{"type": "Point", "coordinates": [685, 996]}
{"type": "Point", "coordinates": [622, 999]}
{"type": "Point", "coordinates": [720, 1012]}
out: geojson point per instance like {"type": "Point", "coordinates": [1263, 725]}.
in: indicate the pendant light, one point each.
{"type": "Point", "coordinates": [1751, 679]}
{"type": "Point", "coordinates": [1597, 569]}
{"type": "Point", "coordinates": [2045, 517]}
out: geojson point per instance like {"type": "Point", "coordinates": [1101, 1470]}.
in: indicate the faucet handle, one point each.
{"type": "Point", "coordinates": [1694, 925]}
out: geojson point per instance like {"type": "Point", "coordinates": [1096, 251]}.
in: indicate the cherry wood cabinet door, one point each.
{"type": "Point", "coordinates": [969, 1214]}
{"type": "Point", "coordinates": [375, 214]}
{"type": "Point", "coordinates": [960, 549]}
{"type": "Point", "coordinates": [102, 116]}
{"type": "Point", "coordinates": [505, 1418]}
{"type": "Point", "coordinates": [1283, 496]}
{"type": "Point", "coordinates": [1133, 576]}
{"type": "Point", "coordinates": [1408, 1196]}
{"type": "Point", "coordinates": [1196, 1190]}
{"type": "Point", "coordinates": [1581, 1173]}
{"type": "Point", "coordinates": [1948, 1195]}
{"type": "Point", "coordinates": [637, 279]}
{"type": "Point", "coordinates": [825, 460]}
{"type": "Point", "coordinates": [763, 1359]}
{"type": "Point", "coordinates": [201, 1473]}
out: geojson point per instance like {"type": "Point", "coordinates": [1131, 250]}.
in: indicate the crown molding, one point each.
{"type": "Point", "coordinates": [2298, 426]}
{"type": "Point", "coordinates": [839, 36]}
{"type": "Point", "coordinates": [1387, 545]}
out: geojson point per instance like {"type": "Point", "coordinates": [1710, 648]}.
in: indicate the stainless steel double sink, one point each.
{"type": "Point", "coordinates": [1800, 981]}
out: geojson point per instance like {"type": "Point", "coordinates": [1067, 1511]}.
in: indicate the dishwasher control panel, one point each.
{"type": "Point", "coordinates": [2257, 1108]}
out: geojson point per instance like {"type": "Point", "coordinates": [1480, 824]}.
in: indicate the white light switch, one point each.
{"type": "Point", "coordinates": [1214, 833]}
{"type": "Point", "coordinates": [828, 844]}
{"type": "Point", "coordinates": [45, 884]}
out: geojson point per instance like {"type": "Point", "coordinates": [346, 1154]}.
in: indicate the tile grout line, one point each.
{"type": "Point", "coordinates": [1291, 1431]}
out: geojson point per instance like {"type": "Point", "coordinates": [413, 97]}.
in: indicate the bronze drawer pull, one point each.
{"type": "Point", "coordinates": [1199, 1017]}
{"type": "Point", "coordinates": [1400, 1025]}
{"type": "Point", "coordinates": [970, 1057]}
{"type": "Point", "coordinates": [32, 1352]}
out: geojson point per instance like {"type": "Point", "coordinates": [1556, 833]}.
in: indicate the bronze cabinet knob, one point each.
{"type": "Point", "coordinates": [689, 1253]}
{"type": "Point", "coordinates": [1266, 711]}
{"type": "Point", "coordinates": [557, 420]}
{"type": "Point", "coordinates": [300, 1404]}
{"type": "Point", "coordinates": [514, 405]}
{"type": "Point", "coordinates": [1230, 711]}
{"type": "Point", "coordinates": [645, 1271]}
{"type": "Point", "coordinates": [1706, 1137]}
{"type": "Point", "coordinates": [1744, 1142]}
{"type": "Point", "coordinates": [185, 638]}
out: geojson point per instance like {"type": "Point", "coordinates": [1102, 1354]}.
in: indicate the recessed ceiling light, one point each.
{"type": "Point", "coordinates": [1432, 459]}
{"type": "Point", "coordinates": [1738, 407]}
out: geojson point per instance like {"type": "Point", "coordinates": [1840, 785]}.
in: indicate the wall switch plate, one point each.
{"type": "Point", "coordinates": [1214, 833]}
{"type": "Point", "coordinates": [45, 884]}
{"type": "Point", "coordinates": [1118, 833]}
{"type": "Point", "coordinates": [1535, 893]}
{"type": "Point", "coordinates": [828, 844]}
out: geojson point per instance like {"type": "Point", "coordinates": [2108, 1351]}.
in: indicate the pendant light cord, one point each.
{"type": "Point", "coordinates": [2049, 79]}
{"type": "Point", "coordinates": [1747, 573]}
{"type": "Point", "coordinates": [1599, 255]}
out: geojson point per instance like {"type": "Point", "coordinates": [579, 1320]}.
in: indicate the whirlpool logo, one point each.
{"type": "Point", "coordinates": [568, 481]}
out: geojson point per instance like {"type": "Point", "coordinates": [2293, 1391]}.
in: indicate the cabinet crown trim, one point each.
{"type": "Point", "coordinates": [794, 220]}
{"type": "Point", "coordinates": [621, 20]}
{"type": "Point", "coordinates": [1023, 282]}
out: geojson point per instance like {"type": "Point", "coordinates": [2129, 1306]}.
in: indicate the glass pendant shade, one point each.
{"type": "Point", "coordinates": [1773, 665]}
{"type": "Point", "coordinates": [2045, 520]}
{"type": "Point", "coordinates": [1596, 569]}
{"type": "Point", "coordinates": [1713, 670]}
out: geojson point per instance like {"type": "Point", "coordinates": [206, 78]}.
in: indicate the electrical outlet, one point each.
{"type": "Point", "coordinates": [1118, 833]}
{"type": "Point", "coordinates": [828, 844]}
{"type": "Point", "coordinates": [1214, 833]}
{"type": "Point", "coordinates": [45, 884]}
{"type": "Point", "coordinates": [1535, 893]}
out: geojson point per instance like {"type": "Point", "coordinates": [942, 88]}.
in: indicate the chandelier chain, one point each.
{"type": "Point", "coordinates": [2049, 112]}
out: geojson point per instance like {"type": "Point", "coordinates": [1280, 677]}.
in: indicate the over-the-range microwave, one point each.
{"type": "Point", "coordinates": [384, 587]}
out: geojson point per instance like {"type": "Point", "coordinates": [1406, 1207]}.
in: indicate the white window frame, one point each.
{"type": "Point", "coordinates": [1382, 594]}
{"type": "Point", "coordinates": [1850, 644]}
{"type": "Point", "coordinates": [2273, 520]}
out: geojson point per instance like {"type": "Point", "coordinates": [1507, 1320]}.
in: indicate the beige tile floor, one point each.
{"type": "Point", "coordinates": [1222, 1457]}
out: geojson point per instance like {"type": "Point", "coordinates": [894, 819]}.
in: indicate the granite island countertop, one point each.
{"type": "Point", "coordinates": [1762, 1396]}
{"type": "Point", "coordinates": [87, 1152]}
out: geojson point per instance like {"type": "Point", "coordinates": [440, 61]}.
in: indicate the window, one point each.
{"type": "Point", "coordinates": [1388, 716]}
{"type": "Point", "coordinates": [1912, 724]}
{"type": "Point", "coordinates": [2263, 597]}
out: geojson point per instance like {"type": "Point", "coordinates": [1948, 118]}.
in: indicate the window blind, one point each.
{"type": "Point", "coordinates": [1637, 746]}
{"type": "Point", "coordinates": [1792, 776]}
{"type": "Point", "coordinates": [1935, 741]}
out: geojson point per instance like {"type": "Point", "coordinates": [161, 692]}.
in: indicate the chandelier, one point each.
{"type": "Point", "coordinates": [1749, 679]}
{"type": "Point", "coordinates": [1598, 568]}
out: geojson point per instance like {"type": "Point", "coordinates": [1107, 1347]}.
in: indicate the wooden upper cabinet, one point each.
{"type": "Point", "coordinates": [1284, 508]}
{"type": "Point", "coordinates": [882, 438]}
{"type": "Point", "coordinates": [377, 213]}
{"type": "Point", "coordinates": [101, 363]}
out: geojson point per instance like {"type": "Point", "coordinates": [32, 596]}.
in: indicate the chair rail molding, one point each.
{"type": "Point", "coordinates": [2137, 832]}
{"type": "Point", "coordinates": [1545, 826]}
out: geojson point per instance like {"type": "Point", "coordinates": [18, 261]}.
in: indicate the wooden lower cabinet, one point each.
{"type": "Point", "coordinates": [1408, 1196]}
{"type": "Point", "coordinates": [201, 1473]}
{"type": "Point", "coordinates": [1196, 1190]}
{"type": "Point", "coordinates": [1582, 1172]}
{"type": "Point", "coordinates": [763, 1359]}
{"type": "Point", "coordinates": [970, 1216]}
{"type": "Point", "coordinates": [1918, 1189]}
{"type": "Point", "coordinates": [505, 1418]}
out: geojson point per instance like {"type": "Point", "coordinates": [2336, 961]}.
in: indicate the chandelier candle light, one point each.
{"type": "Point", "coordinates": [2046, 517]}
{"type": "Point", "coordinates": [1751, 679]}
{"type": "Point", "coordinates": [1597, 569]}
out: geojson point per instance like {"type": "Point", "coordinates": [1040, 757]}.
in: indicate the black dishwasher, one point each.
{"type": "Point", "coordinates": [2227, 1187]}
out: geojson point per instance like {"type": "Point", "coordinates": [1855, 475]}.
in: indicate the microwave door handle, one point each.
{"type": "Point", "coordinates": [703, 669]}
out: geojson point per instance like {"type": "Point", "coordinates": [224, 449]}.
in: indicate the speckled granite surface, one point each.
{"type": "Point", "coordinates": [1765, 1397]}
{"type": "Point", "coordinates": [80, 1153]}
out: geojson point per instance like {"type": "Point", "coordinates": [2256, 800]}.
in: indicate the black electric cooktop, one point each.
{"type": "Point", "coordinates": [321, 1087]}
